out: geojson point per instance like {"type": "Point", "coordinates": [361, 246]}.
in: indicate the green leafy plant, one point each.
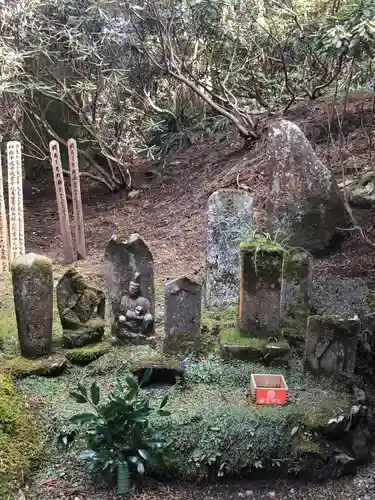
{"type": "Point", "coordinates": [118, 433]}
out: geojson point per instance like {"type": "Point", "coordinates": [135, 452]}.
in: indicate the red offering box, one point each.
{"type": "Point", "coordinates": [268, 389]}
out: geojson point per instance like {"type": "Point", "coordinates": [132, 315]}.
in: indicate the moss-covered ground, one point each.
{"type": "Point", "coordinates": [214, 427]}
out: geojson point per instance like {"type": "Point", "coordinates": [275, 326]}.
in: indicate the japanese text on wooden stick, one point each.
{"type": "Point", "coordinates": [61, 201]}
{"type": "Point", "coordinates": [77, 200]}
{"type": "Point", "coordinates": [4, 250]}
{"type": "Point", "coordinates": [16, 216]}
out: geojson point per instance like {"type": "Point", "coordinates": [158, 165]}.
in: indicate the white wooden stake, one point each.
{"type": "Point", "coordinates": [77, 200]}
{"type": "Point", "coordinates": [4, 247]}
{"type": "Point", "coordinates": [62, 204]}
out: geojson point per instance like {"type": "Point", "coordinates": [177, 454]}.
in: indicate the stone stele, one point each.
{"type": "Point", "coordinates": [305, 203]}
{"type": "Point", "coordinates": [331, 345]}
{"type": "Point", "coordinates": [296, 281]}
{"type": "Point", "coordinates": [126, 257]}
{"type": "Point", "coordinates": [182, 315]}
{"type": "Point", "coordinates": [229, 222]}
{"type": "Point", "coordinates": [259, 303]}
{"type": "Point", "coordinates": [33, 301]}
{"type": "Point", "coordinates": [81, 308]}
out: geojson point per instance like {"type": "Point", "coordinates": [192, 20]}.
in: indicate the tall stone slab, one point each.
{"type": "Point", "coordinates": [331, 345]}
{"type": "Point", "coordinates": [305, 203]}
{"type": "Point", "coordinates": [259, 302]}
{"type": "Point", "coordinates": [182, 316]}
{"type": "Point", "coordinates": [33, 300]}
{"type": "Point", "coordinates": [296, 281]}
{"type": "Point", "coordinates": [124, 258]}
{"type": "Point", "coordinates": [230, 215]}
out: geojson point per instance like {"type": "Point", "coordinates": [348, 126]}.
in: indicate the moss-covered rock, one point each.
{"type": "Point", "coordinates": [263, 256]}
{"type": "Point", "coordinates": [19, 439]}
{"type": "Point", "coordinates": [43, 367]}
{"type": "Point", "coordinates": [183, 343]}
{"type": "Point", "coordinates": [84, 336]}
{"type": "Point", "coordinates": [361, 192]}
{"type": "Point", "coordinates": [33, 300]}
{"type": "Point", "coordinates": [234, 345]}
{"type": "Point", "coordinates": [87, 354]}
{"type": "Point", "coordinates": [293, 324]}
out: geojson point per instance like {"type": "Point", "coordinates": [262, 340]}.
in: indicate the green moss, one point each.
{"type": "Point", "coordinates": [91, 334]}
{"type": "Point", "coordinates": [182, 343]}
{"type": "Point", "coordinates": [44, 367]}
{"type": "Point", "coordinates": [19, 439]}
{"type": "Point", "coordinates": [296, 265]}
{"type": "Point", "coordinates": [263, 244]}
{"type": "Point", "coordinates": [333, 326]}
{"type": "Point", "coordinates": [216, 319]}
{"type": "Point", "coordinates": [361, 181]}
{"type": "Point", "coordinates": [84, 355]}
{"type": "Point", "coordinates": [293, 325]}
{"type": "Point", "coordinates": [233, 336]}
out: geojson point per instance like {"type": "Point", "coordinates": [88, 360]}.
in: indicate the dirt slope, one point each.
{"type": "Point", "coordinates": [170, 209]}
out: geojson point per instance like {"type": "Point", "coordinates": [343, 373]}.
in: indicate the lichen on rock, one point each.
{"type": "Point", "coordinates": [19, 439]}
{"type": "Point", "coordinates": [33, 299]}
{"type": "Point", "coordinates": [87, 354]}
{"type": "Point", "coordinates": [19, 366]}
{"type": "Point", "coordinates": [305, 203]}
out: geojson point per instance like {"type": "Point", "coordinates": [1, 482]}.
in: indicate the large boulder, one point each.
{"type": "Point", "coordinates": [305, 205]}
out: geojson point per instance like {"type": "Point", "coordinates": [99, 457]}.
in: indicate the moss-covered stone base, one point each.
{"type": "Point", "coordinates": [234, 345]}
{"type": "Point", "coordinates": [44, 367]}
{"type": "Point", "coordinates": [183, 343]}
{"type": "Point", "coordinates": [19, 439]}
{"type": "Point", "coordinates": [87, 354]}
{"type": "Point", "coordinates": [82, 337]}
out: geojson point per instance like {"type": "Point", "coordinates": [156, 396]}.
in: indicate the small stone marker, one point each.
{"type": "Point", "coordinates": [182, 315]}
{"type": "Point", "coordinates": [61, 202]}
{"type": "Point", "coordinates": [4, 247]}
{"type": "Point", "coordinates": [296, 281]}
{"type": "Point", "coordinates": [124, 258]}
{"type": "Point", "coordinates": [259, 304]}
{"type": "Point", "coordinates": [81, 308]}
{"type": "Point", "coordinates": [230, 215]}
{"type": "Point", "coordinates": [76, 199]}
{"type": "Point", "coordinates": [305, 203]}
{"type": "Point", "coordinates": [33, 300]}
{"type": "Point", "coordinates": [16, 216]}
{"type": "Point", "coordinates": [331, 345]}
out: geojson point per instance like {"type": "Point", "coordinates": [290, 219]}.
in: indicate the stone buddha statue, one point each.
{"type": "Point", "coordinates": [134, 320]}
{"type": "Point", "coordinates": [81, 308]}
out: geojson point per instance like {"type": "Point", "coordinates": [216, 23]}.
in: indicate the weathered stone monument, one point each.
{"type": "Point", "coordinates": [305, 203]}
{"type": "Point", "coordinates": [331, 345]}
{"type": "Point", "coordinates": [182, 315]}
{"type": "Point", "coordinates": [16, 216]}
{"type": "Point", "coordinates": [130, 288]}
{"type": "Point", "coordinates": [33, 301]}
{"type": "Point", "coordinates": [259, 302]}
{"type": "Point", "coordinates": [230, 214]}
{"type": "Point", "coordinates": [81, 308]}
{"type": "Point", "coordinates": [296, 280]}
{"type": "Point", "coordinates": [76, 199]}
{"type": "Point", "coordinates": [61, 202]}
